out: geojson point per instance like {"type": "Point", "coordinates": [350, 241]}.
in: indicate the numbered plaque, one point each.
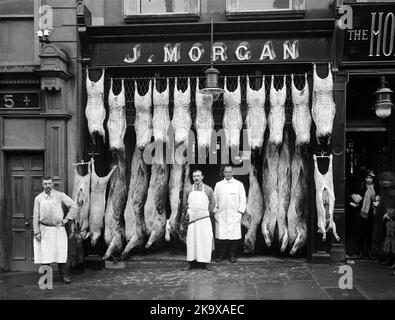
{"type": "Point", "coordinates": [19, 100]}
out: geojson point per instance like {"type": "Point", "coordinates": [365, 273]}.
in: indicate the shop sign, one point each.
{"type": "Point", "coordinates": [189, 52]}
{"type": "Point", "coordinates": [373, 34]}
{"type": "Point", "coordinates": [19, 100]}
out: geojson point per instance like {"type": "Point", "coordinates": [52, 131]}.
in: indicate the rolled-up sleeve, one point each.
{"type": "Point", "coordinates": [242, 198]}
{"type": "Point", "coordinates": [36, 216]}
{"type": "Point", "coordinates": [211, 200]}
{"type": "Point", "coordinates": [71, 205]}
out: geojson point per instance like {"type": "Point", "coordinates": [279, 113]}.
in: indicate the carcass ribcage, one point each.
{"type": "Point", "coordinates": [270, 193]}
{"type": "Point", "coordinates": [325, 199]}
{"type": "Point", "coordinates": [256, 117]}
{"type": "Point", "coordinates": [95, 112]}
{"type": "Point", "coordinates": [143, 121]}
{"type": "Point", "coordinates": [183, 222]}
{"type": "Point", "coordinates": [182, 120]}
{"type": "Point", "coordinates": [284, 192]}
{"type": "Point", "coordinates": [134, 210]}
{"type": "Point", "coordinates": [301, 118]}
{"type": "Point", "coordinates": [232, 125]}
{"type": "Point", "coordinates": [254, 212]}
{"type": "Point", "coordinates": [116, 124]}
{"type": "Point", "coordinates": [81, 196]}
{"type": "Point", "coordinates": [232, 121]}
{"type": "Point", "coordinates": [204, 121]}
{"type": "Point", "coordinates": [276, 118]}
{"type": "Point", "coordinates": [155, 206]}
{"type": "Point", "coordinates": [175, 196]}
{"type": "Point", "coordinates": [161, 117]}
{"type": "Point", "coordinates": [114, 231]}
{"type": "Point", "coordinates": [297, 211]}
{"type": "Point", "coordinates": [324, 108]}
{"type": "Point", "coordinates": [97, 204]}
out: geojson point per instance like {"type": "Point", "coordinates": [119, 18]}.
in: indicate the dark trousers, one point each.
{"type": "Point", "coordinates": [63, 269]}
{"type": "Point", "coordinates": [227, 247]}
{"type": "Point", "coordinates": [365, 230]}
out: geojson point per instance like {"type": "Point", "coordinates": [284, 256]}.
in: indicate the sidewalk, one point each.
{"type": "Point", "coordinates": [256, 278]}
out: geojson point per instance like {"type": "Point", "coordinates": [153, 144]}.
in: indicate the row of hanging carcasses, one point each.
{"type": "Point", "coordinates": [155, 124]}
{"type": "Point", "coordinates": [281, 211]}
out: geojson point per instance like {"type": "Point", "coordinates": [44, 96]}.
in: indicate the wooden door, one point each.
{"type": "Point", "coordinates": [25, 172]}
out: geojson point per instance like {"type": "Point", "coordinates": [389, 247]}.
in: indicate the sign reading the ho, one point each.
{"type": "Point", "coordinates": [188, 52]}
{"type": "Point", "coordinates": [372, 35]}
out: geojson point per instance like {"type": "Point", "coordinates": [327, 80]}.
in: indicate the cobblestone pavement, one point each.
{"type": "Point", "coordinates": [247, 279]}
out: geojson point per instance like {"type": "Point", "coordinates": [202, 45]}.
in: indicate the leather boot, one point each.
{"type": "Point", "coordinates": [233, 250]}
{"type": "Point", "coordinates": [221, 250]}
{"type": "Point", "coordinates": [64, 273]}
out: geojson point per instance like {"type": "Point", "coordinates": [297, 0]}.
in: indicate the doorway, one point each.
{"type": "Point", "coordinates": [24, 177]}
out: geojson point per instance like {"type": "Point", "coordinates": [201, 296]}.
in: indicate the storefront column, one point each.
{"type": "Point", "coordinates": [54, 74]}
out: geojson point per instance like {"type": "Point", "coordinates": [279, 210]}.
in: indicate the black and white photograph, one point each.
{"type": "Point", "coordinates": [197, 154]}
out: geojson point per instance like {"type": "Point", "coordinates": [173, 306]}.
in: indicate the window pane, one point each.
{"type": "Point", "coordinates": [245, 5]}
{"type": "Point", "coordinates": [163, 6]}
{"type": "Point", "coordinates": [11, 7]}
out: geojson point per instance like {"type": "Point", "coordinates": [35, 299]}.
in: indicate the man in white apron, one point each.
{"type": "Point", "coordinates": [50, 237]}
{"type": "Point", "coordinates": [200, 240]}
{"type": "Point", "coordinates": [230, 199]}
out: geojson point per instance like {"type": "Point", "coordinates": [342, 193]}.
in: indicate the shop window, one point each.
{"type": "Point", "coordinates": [179, 10]}
{"type": "Point", "coordinates": [242, 9]}
{"type": "Point", "coordinates": [17, 8]}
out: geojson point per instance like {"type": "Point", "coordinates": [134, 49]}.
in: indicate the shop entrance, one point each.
{"type": "Point", "coordinates": [368, 147]}
{"type": "Point", "coordinates": [23, 181]}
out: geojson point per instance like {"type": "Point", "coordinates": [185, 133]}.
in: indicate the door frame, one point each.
{"type": "Point", "coordinates": [5, 222]}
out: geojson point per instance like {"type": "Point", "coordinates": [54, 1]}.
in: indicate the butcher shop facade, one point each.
{"type": "Point", "coordinates": [274, 66]}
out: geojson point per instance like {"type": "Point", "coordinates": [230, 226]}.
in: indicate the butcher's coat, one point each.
{"type": "Point", "coordinates": [47, 219]}
{"type": "Point", "coordinates": [230, 199]}
{"type": "Point", "coordinates": [200, 238]}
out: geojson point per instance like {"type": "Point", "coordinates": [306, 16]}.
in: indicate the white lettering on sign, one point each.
{"type": "Point", "coordinates": [376, 33]}
{"type": "Point", "coordinates": [382, 33]}
{"type": "Point", "coordinates": [219, 51]}
{"type": "Point", "coordinates": [243, 51]}
{"type": "Point", "coordinates": [268, 51]}
{"type": "Point", "coordinates": [135, 56]}
{"type": "Point", "coordinates": [196, 52]}
{"type": "Point", "coordinates": [391, 37]}
{"type": "Point", "coordinates": [291, 50]}
{"type": "Point", "coordinates": [172, 54]}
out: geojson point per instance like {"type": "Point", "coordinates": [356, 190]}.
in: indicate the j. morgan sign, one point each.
{"type": "Point", "coordinates": [224, 52]}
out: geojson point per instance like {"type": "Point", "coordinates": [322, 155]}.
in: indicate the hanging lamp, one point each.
{"type": "Point", "coordinates": [383, 104]}
{"type": "Point", "coordinates": [211, 84]}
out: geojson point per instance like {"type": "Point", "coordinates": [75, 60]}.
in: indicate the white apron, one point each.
{"type": "Point", "coordinates": [53, 245]}
{"type": "Point", "coordinates": [200, 240]}
{"type": "Point", "coordinates": [228, 220]}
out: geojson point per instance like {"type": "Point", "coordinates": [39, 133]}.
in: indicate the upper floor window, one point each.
{"type": "Point", "coordinates": [15, 8]}
{"type": "Point", "coordinates": [161, 9]}
{"type": "Point", "coordinates": [244, 8]}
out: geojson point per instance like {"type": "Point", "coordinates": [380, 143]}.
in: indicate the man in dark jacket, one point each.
{"type": "Point", "coordinates": [364, 203]}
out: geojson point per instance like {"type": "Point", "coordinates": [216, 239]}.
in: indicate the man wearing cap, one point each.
{"type": "Point", "coordinates": [365, 201]}
{"type": "Point", "coordinates": [50, 237]}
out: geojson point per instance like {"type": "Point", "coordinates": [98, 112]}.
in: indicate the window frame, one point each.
{"type": "Point", "coordinates": [232, 12]}
{"type": "Point", "coordinates": [131, 10]}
